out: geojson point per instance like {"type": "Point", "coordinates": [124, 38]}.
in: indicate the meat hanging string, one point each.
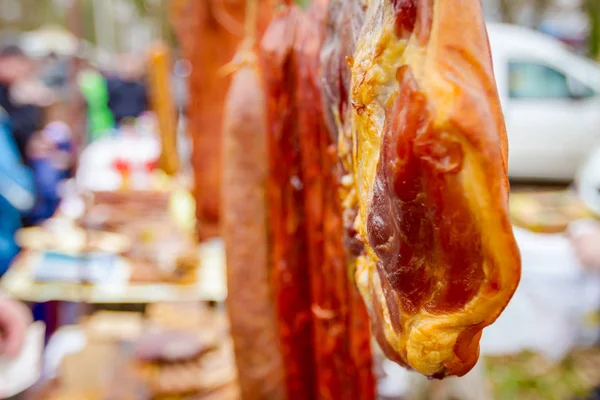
{"type": "Point", "coordinates": [225, 19]}
{"type": "Point", "coordinates": [251, 16]}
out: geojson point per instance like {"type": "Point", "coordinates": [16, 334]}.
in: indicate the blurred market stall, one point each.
{"type": "Point", "coordinates": [137, 227]}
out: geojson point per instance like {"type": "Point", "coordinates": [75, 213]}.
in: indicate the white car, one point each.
{"type": "Point", "coordinates": [551, 103]}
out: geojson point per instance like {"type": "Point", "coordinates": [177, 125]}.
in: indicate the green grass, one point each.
{"type": "Point", "coordinates": [528, 376]}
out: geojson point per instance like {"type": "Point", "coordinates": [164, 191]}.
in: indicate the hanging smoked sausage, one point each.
{"type": "Point", "coordinates": [210, 31]}
{"type": "Point", "coordinates": [244, 229]}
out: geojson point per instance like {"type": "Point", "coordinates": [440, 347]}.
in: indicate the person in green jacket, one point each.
{"type": "Point", "coordinates": [100, 119]}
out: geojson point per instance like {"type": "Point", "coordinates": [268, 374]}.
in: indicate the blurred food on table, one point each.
{"type": "Point", "coordinates": [152, 356]}
{"type": "Point", "coordinates": [547, 211]}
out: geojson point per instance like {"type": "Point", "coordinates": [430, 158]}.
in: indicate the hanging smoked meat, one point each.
{"type": "Point", "coordinates": [210, 32]}
{"type": "Point", "coordinates": [244, 228]}
{"type": "Point", "coordinates": [430, 169]}
{"type": "Point", "coordinates": [182, 14]}
{"type": "Point", "coordinates": [289, 248]}
{"type": "Point", "coordinates": [337, 375]}
{"type": "Point", "coordinates": [161, 96]}
{"type": "Point", "coordinates": [345, 19]}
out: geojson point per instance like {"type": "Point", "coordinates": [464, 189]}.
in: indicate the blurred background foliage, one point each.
{"type": "Point", "coordinates": [593, 7]}
{"type": "Point", "coordinates": [511, 9]}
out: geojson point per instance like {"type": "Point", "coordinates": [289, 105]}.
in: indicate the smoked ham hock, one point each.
{"type": "Point", "coordinates": [429, 150]}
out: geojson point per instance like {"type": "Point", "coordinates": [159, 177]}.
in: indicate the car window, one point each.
{"type": "Point", "coordinates": [531, 80]}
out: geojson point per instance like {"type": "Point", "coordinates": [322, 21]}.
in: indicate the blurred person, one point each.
{"type": "Point", "coordinates": [51, 157]}
{"type": "Point", "coordinates": [55, 71]}
{"type": "Point", "coordinates": [127, 92]}
{"type": "Point", "coordinates": [16, 193]}
{"type": "Point", "coordinates": [25, 115]}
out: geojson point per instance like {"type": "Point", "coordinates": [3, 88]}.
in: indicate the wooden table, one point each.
{"type": "Point", "coordinates": [19, 282]}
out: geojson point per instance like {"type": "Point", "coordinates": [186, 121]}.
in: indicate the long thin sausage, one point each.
{"type": "Point", "coordinates": [244, 228]}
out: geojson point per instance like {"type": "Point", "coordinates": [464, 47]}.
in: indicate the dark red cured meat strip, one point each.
{"type": "Point", "coordinates": [290, 276]}
{"type": "Point", "coordinates": [335, 375]}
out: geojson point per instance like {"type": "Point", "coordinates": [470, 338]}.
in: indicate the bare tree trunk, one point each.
{"type": "Point", "coordinates": [507, 13]}
{"type": "Point", "coordinates": [77, 117]}
{"type": "Point", "coordinates": [593, 8]}
{"type": "Point", "coordinates": [539, 11]}
{"type": "Point", "coordinates": [510, 9]}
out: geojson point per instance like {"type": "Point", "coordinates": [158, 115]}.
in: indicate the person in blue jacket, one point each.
{"type": "Point", "coordinates": [17, 194]}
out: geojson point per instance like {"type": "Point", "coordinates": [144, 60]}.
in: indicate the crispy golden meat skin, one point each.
{"type": "Point", "coordinates": [429, 157]}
